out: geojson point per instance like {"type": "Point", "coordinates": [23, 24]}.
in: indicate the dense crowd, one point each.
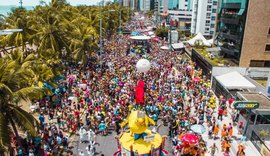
{"type": "Point", "coordinates": [100, 98]}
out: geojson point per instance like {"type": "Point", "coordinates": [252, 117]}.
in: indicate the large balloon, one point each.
{"type": "Point", "coordinates": [143, 65]}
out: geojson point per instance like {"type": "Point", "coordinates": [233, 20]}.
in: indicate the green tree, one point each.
{"type": "Point", "coordinates": [83, 41]}
{"type": "Point", "coordinates": [15, 85]}
{"type": "Point", "coordinates": [17, 19]}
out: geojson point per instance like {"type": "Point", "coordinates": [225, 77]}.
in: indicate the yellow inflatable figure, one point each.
{"type": "Point", "coordinates": [137, 122]}
{"type": "Point", "coordinates": [139, 138]}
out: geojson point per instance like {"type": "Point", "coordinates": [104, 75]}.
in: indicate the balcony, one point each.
{"type": "Point", "coordinates": [232, 5]}
{"type": "Point", "coordinates": [233, 52]}
{"type": "Point", "coordinates": [230, 36]}
{"type": "Point", "coordinates": [230, 20]}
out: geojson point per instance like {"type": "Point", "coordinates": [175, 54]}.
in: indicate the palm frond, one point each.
{"type": "Point", "coordinates": [24, 120]}
{"type": "Point", "coordinates": [28, 93]}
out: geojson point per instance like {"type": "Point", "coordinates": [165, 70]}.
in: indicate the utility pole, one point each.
{"type": "Point", "coordinates": [20, 3]}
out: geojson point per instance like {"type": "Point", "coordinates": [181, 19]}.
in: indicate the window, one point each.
{"type": "Point", "coordinates": [269, 31]}
{"type": "Point", "coordinates": [212, 25]}
{"type": "Point", "coordinates": [211, 32]}
{"type": "Point", "coordinates": [208, 14]}
{"type": "Point", "coordinates": [214, 10]}
{"type": "Point", "coordinates": [213, 18]}
{"type": "Point", "coordinates": [259, 63]}
{"type": "Point", "coordinates": [214, 2]}
{"type": "Point", "coordinates": [209, 7]}
{"type": "Point", "coordinates": [267, 47]}
{"type": "Point", "coordinates": [207, 21]}
{"type": "Point", "coordinates": [256, 63]}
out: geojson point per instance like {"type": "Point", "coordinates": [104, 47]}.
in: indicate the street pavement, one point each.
{"type": "Point", "coordinates": [107, 145]}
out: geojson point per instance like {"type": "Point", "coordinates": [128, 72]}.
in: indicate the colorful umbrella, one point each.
{"type": "Point", "coordinates": [200, 129]}
{"type": "Point", "coordinates": [156, 39]}
{"type": "Point", "coordinates": [189, 138]}
{"type": "Point", "coordinates": [196, 79]}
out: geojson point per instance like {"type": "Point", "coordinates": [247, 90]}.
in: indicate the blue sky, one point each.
{"type": "Point", "coordinates": [36, 2]}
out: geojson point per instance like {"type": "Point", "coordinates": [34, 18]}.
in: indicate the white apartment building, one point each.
{"type": "Point", "coordinates": [126, 3]}
{"type": "Point", "coordinates": [183, 14]}
{"type": "Point", "coordinates": [146, 5]}
{"type": "Point", "coordinates": [204, 17]}
{"type": "Point", "coordinates": [185, 4]}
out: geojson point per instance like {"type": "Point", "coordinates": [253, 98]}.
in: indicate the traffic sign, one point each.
{"type": "Point", "coordinates": [246, 105]}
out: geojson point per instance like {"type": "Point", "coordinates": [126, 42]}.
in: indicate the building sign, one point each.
{"type": "Point", "coordinates": [246, 105]}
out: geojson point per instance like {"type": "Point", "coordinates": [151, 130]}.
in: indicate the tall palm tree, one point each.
{"type": "Point", "coordinates": [18, 19]}
{"type": "Point", "coordinates": [49, 32]}
{"type": "Point", "coordinates": [15, 85]}
{"type": "Point", "coordinates": [83, 41]}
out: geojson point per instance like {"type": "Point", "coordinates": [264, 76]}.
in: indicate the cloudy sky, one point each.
{"type": "Point", "coordinates": [36, 2]}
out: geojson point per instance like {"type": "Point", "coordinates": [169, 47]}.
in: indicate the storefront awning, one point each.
{"type": "Point", "coordinates": [178, 46]}
{"type": "Point", "coordinates": [234, 80]}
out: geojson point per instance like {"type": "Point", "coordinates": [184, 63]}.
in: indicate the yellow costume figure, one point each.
{"type": "Point", "coordinates": [140, 138]}
{"type": "Point", "coordinates": [137, 122]}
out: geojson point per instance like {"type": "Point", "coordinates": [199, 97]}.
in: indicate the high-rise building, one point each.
{"type": "Point", "coordinates": [173, 4]}
{"type": "Point", "coordinates": [147, 5]}
{"type": "Point", "coordinates": [182, 14]}
{"type": "Point", "coordinates": [243, 31]}
{"type": "Point", "coordinates": [126, 3]}
{"type": "Point", "coordinates": [185, 4]}
{"type": "Point", "coordinates": [204, 17]}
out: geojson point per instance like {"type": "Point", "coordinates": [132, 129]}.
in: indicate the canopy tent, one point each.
{"type": "Point", "coordinates": [150, 33]}
{"type": "Point", "coordinates": [199, 36]}
{"type": "Point", "coordinates": [135, 33]}
{"type": "Point", "coordinates": [178, 46]}
{"type": "Point", "coordinates": [165, 48]}
{"type": "Point", "coordinates": [140, 37]}
{"type": "Point", "coordinates": [210, 41]}
{"type": "Point", "coordinates": [234, 80]}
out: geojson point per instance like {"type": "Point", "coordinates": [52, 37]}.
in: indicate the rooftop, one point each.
{"type": "Point", "coordinates": [217, 60]}
{"type": "Point", "coordinates": [257, 97]}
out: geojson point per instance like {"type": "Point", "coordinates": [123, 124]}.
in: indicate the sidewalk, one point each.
{"type": "Point", "coordinates": [250, 149]}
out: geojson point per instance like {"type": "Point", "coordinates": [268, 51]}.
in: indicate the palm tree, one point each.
{"type": "Point", "coordinates": [83, 41]}
{"type": "Point", "coordinates": [50, 34]}
{"type": "Point", "coordinates": [15, 85]}
{"type": "Point", "coordinates": [18, 19]}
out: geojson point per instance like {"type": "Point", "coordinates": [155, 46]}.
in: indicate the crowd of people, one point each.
{"type": "Point", "coordinates": [100, 98]}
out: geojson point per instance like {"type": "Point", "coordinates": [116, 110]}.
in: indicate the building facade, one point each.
{"type": "Point", "coordinates": [204, 17]}
{"type": "Point", "coordinates": [173, 4]}
{"type": "Point", "coordinates": [182, 13]}
{"type": "Point", "coordinates": [255, 50]}
{"type": "Point", "coordinates": [243, 33]}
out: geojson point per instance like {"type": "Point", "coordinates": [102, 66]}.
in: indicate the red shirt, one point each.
{"type": "Point", "coordinates": [220, 112]}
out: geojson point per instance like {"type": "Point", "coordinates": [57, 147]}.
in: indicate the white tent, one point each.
{"type": "Point", "coordinates": [165, 48]}
{"type": "Point", "coordinates": [140, 37]}
{"type": "Point", "coordinates": [178, 45]}
{"type": "Point", "coordinates": [210, 41]}
{"type": "Point", "coordinates": [234, 80]}
{"type": "Point", "coordinates": [199, 36]}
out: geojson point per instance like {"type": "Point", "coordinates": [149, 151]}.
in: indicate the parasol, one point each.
{"type": "Point", "coordinates": [196, 79]}
{"type": "Point", "coordinates": [189, 138]}
{"type": "Point", "coordinates": [200, 129]}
